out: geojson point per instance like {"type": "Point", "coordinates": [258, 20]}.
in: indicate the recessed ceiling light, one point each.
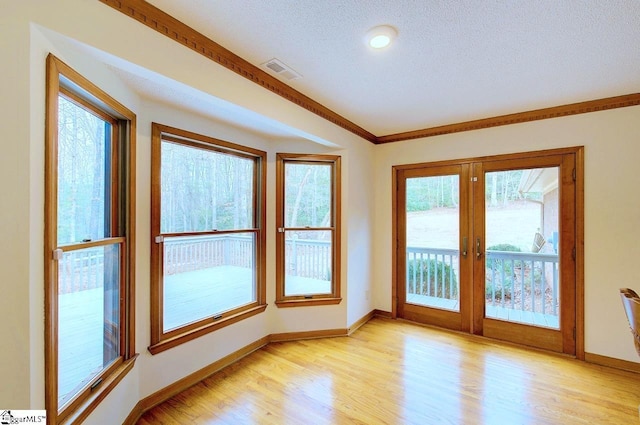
{"type": "Point", "coordinates": [381, 36]}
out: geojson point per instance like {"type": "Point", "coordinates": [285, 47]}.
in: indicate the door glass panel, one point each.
{"type": "Point", "coordinates": [521, 226]}
{"type": "Point", "coordinates": [432, 235]}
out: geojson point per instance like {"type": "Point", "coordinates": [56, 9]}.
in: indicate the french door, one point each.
{"type": "Point", "coordinates": [433, 261]}
{"type": "Point", "coordinates": [488, 246]}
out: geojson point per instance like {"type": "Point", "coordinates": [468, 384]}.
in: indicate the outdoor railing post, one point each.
{"type": "Point", "coordinates": [451, 276]}
{"type": "Point", "coordinates": [543, 285]}
{"type": "Point", "coordinates": [443, 277]}
{"type": "Point", "coordinates": [294, 250]}
{"type": "Point", "coordinates": [555, 288]}
{"type": "Point", "coordinates": [424, 283]}
{"type": "Point", "coordinates": [533, 290]}
{"type": "Point", "coordinates": [417, 266]}
{"type": "Point", "coordinates": [502, 281]}
{"type": "Point", "coordinates": [428, 273]}
{"type": "Point", "coordinates": [225, 250]}
{"type": "Point", "coordinates": [407, 271]}
{"type": "Point", "coordinates": [493, 281]}
{"type": "Point", "coordinates": [522, 295]}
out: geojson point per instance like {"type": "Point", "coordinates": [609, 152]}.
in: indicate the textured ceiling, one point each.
{"type": "Point", "coordinates": [452, 61]}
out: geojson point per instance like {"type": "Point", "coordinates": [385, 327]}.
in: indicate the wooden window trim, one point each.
{"type": "Point", "coordinates": [283, 301]}
{"type": "Point", "coordinates": [63, 80]}
{"type": "Point", "coordinates": [161, 340]}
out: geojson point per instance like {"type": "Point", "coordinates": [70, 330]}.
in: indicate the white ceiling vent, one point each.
{"type": "Point", "coordinates": [281, 69]}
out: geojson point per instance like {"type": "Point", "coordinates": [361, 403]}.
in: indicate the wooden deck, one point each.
{"type": "Point", "coordinates": [525, 317]}
{"type": "Point", "coordinates": [188, 297]}
{"type": "Point", "coordinates": [493, 312]}
{"type": "Point", "coordinates": [195, 295]}
{"type": "Point", "coordinates": [80, 329]}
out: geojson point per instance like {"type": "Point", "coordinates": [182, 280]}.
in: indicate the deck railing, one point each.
{"type": "Point", "coordinates": [432, 272]}
{"type": "Point", "coordinates": [81, 270]}
{"type": "Point", "coordinates": [306, 258]}
{"type": "Point", "coordinates": [522, 280]}
{"type": "Point", "coordinates": [191, 254]}
{"type": "Point", "coordinates": [514, 280]}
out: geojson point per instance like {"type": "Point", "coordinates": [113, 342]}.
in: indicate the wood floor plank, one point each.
{"type": "Point", "coordinates": [393, 372]}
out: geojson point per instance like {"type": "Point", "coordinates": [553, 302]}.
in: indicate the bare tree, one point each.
{"type": "Point", "coordinates": [298, 200]}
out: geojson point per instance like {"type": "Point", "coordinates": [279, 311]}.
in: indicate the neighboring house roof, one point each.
{"type": "Point", "coordinates": [542, 180]}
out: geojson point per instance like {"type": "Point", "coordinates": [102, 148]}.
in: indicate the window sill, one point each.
{"type": "Point", "coordinates": [192, 334]}
{"type": "Point", "coordinates": [307, 302]}
{"type": "Point", "coordinates": [84, 410]}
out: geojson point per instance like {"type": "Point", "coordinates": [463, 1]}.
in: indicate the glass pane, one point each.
{"type": "Point", "coordinates": [88, 316]}
{"type": "Point", "coordinates": [432, 235]}
{"type": "Point", "coordinates": [307, 195]}
{"type": "Point", "coordinates": [207, 275]}
{"type": "Point", "coordinates": [308, 265]}
{"type": "Point", "coordinates": [83, 151]}
{"type": "Point", "coordinates": [204, 190]}
{"type": "Point", "coordinates": [522, 215]}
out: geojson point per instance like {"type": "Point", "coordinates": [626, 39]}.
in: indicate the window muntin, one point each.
{"type": "Point", "coordinates": [88, 231]}
{"type": "Point", "coordinates": [308, 211]}
{"type": "Point", "coordinates": [209, 244]}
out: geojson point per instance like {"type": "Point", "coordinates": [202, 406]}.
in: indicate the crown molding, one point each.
{"type": "Point", "coordinates": [169, 26]}
{"type": "Point", "coordinates": [519, 117]}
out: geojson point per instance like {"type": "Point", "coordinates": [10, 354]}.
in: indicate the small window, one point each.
{"type": "Point", "coordinates": [208, 228]}
{"type": "Point", "coordinates": [89, 239]}
{"type": "Point", "coordinates": [308, 222]}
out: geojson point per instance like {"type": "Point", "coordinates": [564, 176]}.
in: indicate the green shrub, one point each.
{"type": "Point", "coordinates": [501, 285]}
{"type": "Point", "coordinates": [421, 279]}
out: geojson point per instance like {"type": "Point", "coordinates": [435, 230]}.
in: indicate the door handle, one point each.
{"type": "Point", "coordinates": [464, 246]}
{"type": "Point", "coordinates": [478, 251]}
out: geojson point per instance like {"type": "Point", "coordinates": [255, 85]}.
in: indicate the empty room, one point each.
{"type": "Point", "coordinates": [320, 212]}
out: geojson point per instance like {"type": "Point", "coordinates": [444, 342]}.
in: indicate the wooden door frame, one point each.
{"type": "Point", "coordinates": [579, 225]}
{"type": "Point", "coordinates": [561, 340]}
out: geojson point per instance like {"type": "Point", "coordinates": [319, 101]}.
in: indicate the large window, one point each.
{"type": "Point", "coordinates": [208, 245]}
{"type": "Point", "coordinates": [89, 243]}
{"type": "Point", "coordinates": [308, 222]}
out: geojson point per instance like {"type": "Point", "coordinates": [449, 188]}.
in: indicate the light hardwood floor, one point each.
{"type": "Point", "coordinates": [393, 372]}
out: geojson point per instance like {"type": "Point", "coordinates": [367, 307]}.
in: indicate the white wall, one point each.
{"type": "Point", "coordinates": [610, 137]}
{"type": "Point", "coordinates": [612, 205]}
{"type": "Point", "coordinates": [26, 36]}
{"type": "Point", "coordinates": [15, 180]}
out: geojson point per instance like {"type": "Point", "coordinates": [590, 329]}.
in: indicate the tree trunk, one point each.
{"type": "Point", "coordinates": [454, 184]}
{"type": "Point", "coordinates": [296, 205]}
{"type": "Point", "coordinates": [494, 189]}
{"type": "Point", "coordinates": [97, 227]}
